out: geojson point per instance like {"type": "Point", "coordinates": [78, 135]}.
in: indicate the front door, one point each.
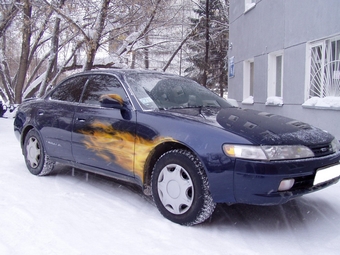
{"type": "Point", "coordinates": [104, 137]}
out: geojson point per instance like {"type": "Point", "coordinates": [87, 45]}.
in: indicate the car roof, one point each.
{"type": "Point", "coordinates": [124, 71]}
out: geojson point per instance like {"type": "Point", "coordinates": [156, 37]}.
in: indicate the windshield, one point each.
{"type": "Point", "coordinates": [161, 91]}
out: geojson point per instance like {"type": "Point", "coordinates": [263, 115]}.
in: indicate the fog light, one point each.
{"type": "Point", "coordinates": [286, 184]}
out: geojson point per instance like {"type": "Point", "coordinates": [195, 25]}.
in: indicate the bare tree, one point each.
{"type": "Point", "coordinates": [191, 34]}
{"type": "Point", "coordinates": [5, 76]}
{"type": "Point", "coordinates": [210, 45]}
{"type": "Point", "coordinates": [8, 12]}
{"type": "Point", "coordinates": [42, 39]}
{"type": "Point", "coordinates": [15, 69]}
{"type": "Point", "coordinates": [53, 56]}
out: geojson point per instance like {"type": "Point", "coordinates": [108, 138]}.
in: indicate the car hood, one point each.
{"type": "Point", "coordinates": [259, 127]}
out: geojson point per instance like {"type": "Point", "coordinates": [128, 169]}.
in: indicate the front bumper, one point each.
{"type": "Point", "coordinates": [257, 182]}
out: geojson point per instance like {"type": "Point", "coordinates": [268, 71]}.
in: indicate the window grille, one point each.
{"type": "Point", "coordinates": [325, 69]}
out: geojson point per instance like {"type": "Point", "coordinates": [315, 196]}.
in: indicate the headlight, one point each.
{"type": "Point", "coordinates": [335, 145]}
{"type": "Point", "coordinates": [287, 152]}
{"type": "Point", "coordinates": [244, 151]}
{"type": "Point", "coordinates": [267, 152]}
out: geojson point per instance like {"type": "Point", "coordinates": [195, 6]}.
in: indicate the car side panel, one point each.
{"type": "Point", "coordinates": [54, 122]}
{"type": "Point", "coordinates": [204, 141]}
{"type": "Point", "coordinates": [102, 138]}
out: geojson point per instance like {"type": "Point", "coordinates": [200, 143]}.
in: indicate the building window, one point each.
{"type": "Point", "coordinates": [275, 78]}
{"type": "Point", "coordinates": [248, 82]}
{"type": "Point", "coordinates": [249, 4]}
{"type": "Point", "coordinates": [324, 78]}
{"type": "Point", "coordinates": [323, 74]}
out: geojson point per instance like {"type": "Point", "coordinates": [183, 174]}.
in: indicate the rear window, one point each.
{"type": "Point", "coordinates": [69, 90]}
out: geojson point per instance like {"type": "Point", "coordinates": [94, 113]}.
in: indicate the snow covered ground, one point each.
{"type": "Point", "coordinates": [88, 214]}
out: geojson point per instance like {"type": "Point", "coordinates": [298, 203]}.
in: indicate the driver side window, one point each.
{"type": "Point", "coordinates": [100, 84]}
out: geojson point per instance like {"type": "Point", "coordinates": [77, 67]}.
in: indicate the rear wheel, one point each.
{"type": "Point", "coordinates": [180, 188]}
{"type": "Point", "coordinates": [37, 161]}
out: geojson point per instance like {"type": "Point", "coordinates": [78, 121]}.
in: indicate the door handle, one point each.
{"type": "Point", "coordinates": [80, 119]}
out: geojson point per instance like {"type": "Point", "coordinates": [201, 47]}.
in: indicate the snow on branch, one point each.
{"type": "Point", "coordinates": [192, 32]}
{"type": "Point", "coordinates": [66, 17]}
{"type": "Point", "coordinates": [135, 36]}
{"type": "Point", "coordinates": [34, 85]}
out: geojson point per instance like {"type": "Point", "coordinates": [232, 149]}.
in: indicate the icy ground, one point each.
{"type": "Point", "coordinates": [64, 214]}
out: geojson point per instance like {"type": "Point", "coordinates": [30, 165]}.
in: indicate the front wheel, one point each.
{"type": "Point", "coordinates": [180, 188]}
{"type": "Point", "coordinates": [37, 161]}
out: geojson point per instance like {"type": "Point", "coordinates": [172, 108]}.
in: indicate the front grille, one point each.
{"type": "Point", "coordinates": [322, 150]}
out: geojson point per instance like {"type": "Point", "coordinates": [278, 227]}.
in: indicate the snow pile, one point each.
{"type": "Point", "coordinates": [278, 101]}
{"type": "Point", "coordinates": [326, 102]}
{"type": "Point", "coordinates": [248, 100]}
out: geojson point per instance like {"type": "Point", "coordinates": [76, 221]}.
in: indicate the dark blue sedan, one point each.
{"type": "Point", "coordinates": [185, 146]}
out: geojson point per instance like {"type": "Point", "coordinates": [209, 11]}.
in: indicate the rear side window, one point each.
{"type": "Point", "coordinates": [101, 84]}
{"type": "Point", "coordinates": [70, 90]}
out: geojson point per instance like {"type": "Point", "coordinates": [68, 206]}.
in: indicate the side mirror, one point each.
{"type": "Point", "coordinates": [115, 101]}
{"type": "Point", "coordinates": [111, 101]}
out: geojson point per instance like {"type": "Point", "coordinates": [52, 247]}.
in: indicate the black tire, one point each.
{"type": "Point", "coordinates": [37, 161]}
{"type": "Point", "coordinates": [180, 188]}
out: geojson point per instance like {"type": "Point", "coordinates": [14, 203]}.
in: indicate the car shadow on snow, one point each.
{"type": "Point", "coordinates": [99, 181]}
{"type": "Point", "coordinates": [297, 213]}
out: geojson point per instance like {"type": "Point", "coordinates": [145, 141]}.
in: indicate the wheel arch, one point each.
{"type": "Point", "coordinates": [24, 134]}
{"type": "Point", "coordinates": [156, 153]}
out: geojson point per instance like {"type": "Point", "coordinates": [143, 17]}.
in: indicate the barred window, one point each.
{"type": "Point", "coordinates": [324, 79]}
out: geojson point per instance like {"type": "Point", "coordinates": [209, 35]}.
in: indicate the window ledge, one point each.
{"type": "Point", "coordinates": [275, 105]}
{"type": "Point", "coordinates": [274, 101]}
{"type": "Point", "coordinates": [249, 7]}
{"type": "Point", "coordinates": [321, 107]}
{"type": "Point", "coordinates": [248, 100]}
{"type": "Point", "coordinates": [326, 103]}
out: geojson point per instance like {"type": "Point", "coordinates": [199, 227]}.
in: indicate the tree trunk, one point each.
{"type": "Point", "coordinates": [146, 53]}
{"type": "Point", "coordinates": [52, 63]}
{"type": "Point", "coordinates": [25, 50]}
{"type": "Point", "coordinates": [206, 58]}
{"type": "Point", "coordinates": [93, 44]}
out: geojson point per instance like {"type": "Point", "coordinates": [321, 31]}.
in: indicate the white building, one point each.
{"type": "Point", "coordinates": [284, 58]}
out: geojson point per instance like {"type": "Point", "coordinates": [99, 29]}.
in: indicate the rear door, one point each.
{"type": "Point", "coordinates": [55, 117]}
{"type": "Point", "coordinates": [104, 137]}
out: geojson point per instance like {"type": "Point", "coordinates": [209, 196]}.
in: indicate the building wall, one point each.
{"type": "Point", "coordinates": [287, 25]}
